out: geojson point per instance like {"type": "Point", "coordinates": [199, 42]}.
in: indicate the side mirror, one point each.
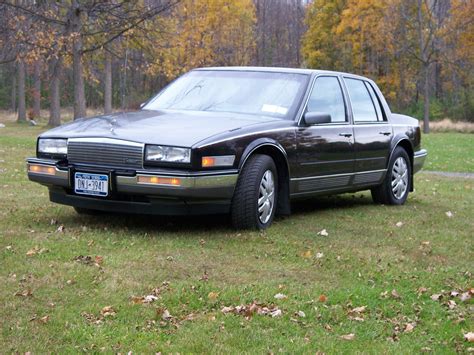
{"type": "Point", "coordinates": [312, 118]}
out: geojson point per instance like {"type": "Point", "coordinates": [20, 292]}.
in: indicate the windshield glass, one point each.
{"type": "Point", "coordinates": [247, 92]}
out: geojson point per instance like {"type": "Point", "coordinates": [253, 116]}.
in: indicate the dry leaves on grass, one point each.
{"type": "Point", "coordinates": [357, 313]}
{"type": "Point", "coordinates": [322, 298]}
{"type": "Point", "coordinates": [280, 296]}
{"type": "Point", "coordinates": [36, 251]}
{"type": "Point", "coordinates": [323, 233]}
{"type": "Point", "coordinates": [462, 295]}
{"type": "Point", "coordinates": [249, 310]}
{"type": "Point", "coordinates": [152, 295]}
{"type": "Point", "coordinates": [25, 293]}
{"type": "Point", "coordinates": [105, 312]}
{"type": "Point", "coordinates": [350, 336]}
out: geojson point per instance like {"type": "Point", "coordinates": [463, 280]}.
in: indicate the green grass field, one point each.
{"type": "Point", "coordinates": [388, 260]}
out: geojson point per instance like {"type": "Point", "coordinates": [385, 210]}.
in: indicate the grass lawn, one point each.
{"type": "Point", "coordinates": [449, 151]}
{"type": "Point", "coordinates": [56, 299]}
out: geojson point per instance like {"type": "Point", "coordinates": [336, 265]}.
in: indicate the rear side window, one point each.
{"type": "Point", "coordinates": [327, 97]}
{"type": "Point", "coordinates": [376, 101]}
{"type": "Point", "coordinates": [363, 108]}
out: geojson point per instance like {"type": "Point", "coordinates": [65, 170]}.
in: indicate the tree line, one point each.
{"type": "Point", "coordinates": [118, 53]}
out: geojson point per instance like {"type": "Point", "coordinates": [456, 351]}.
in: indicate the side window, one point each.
{"type": "Point", "coordinates": [376, 101]}
{"type": "Point", "coordinates": [327, 97]}
{"type": "Point", "coordinates": [362, 106]}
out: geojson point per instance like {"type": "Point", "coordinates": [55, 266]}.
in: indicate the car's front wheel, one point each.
{"type": "Point", "coordinates": [396, 185]}
{"type": "Point", "coordinates": [256, 193]}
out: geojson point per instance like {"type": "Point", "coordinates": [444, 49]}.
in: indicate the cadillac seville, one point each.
{"type": "Point", "coordinates": [241, 141]}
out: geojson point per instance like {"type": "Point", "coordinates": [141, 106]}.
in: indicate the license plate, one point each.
{"type": "Point", "coordinates": [91, 184]}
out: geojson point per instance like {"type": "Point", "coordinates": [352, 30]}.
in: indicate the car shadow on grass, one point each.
{"type": "Point", "coordinates": [204, 223]}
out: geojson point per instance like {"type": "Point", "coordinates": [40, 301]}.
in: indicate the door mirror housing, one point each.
{"type": "Point", "coordinates": [312, 118]}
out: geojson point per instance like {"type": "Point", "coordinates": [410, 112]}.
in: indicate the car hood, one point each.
{"type": "Point", "coordinates": [178, 128]}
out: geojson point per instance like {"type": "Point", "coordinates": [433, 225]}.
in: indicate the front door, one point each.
{"type": "Point", "coordinates": [325, 151]}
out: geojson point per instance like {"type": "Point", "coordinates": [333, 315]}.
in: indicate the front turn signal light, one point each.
{"type": "Point", "coordinates": [158, 180]}
{"type": "Point", "coordinates": [218, 160]}
{"type": "Point", "coordinates": [41, 169]}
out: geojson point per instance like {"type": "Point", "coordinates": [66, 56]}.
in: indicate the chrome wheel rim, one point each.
{"type": "Point", "coordinates": [399, 178]}
{"type": "Point", "coordinates": [266, 197]}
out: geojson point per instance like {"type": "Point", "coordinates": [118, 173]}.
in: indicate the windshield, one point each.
{"type": "Point", "coordinates": [247, 92]}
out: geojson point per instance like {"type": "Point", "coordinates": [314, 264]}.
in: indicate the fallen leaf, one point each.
{"type": "Point", "coordinates": [24, 293]}
{"type": "Point", "coordinates": [166, 315]}
{"type": "Point", "coordinates": [44, 319]}
{"type": "Point", "coordinates": [422, 290]}
{"type": "Point", "coordinates": [409, 327]}
{"type": "Point", "coordinates": [449, 214]}
{"type": "Point", "coordinates": [454, 293]}
{"type": "Point", "coordinates": [280, 296]}
{"type": "Point", "coordinates": [399, 224]}
{"type": "Point", "coordinates": [350, 336]}
{"type": "Point", "coordinates": [107, 311]}
{"type": "Point", "coordinates": [465, 296]}
{"type": "Point", "coordinates": [319, 255]}
{"type": "Point", "coordinates": [451, 304]}
{"type": "Point", "coordinates": [99, 260]}
{"type": "Point", "coordinates": [469, 337]}
{"type": "Point", "coordinates": [307, 254]}
{"type": "Point", "coordinates": [226, 310]}
{"type": "Point", "coordinates": [70, 282]}
{"type": "Point", "coordinates": [213, 296]}
{"type": "Point", "coordinates": [358, 309]}
{"type": "Point", "coordinates": [323, 298]}
{"type": "Point", "coordinates": [276, 313]}
{"type": "Point", "coordinates": [436, 296]}
{"type": "Point", "coordinates": [60, 229]}
{"type": "Point", "coordinates": [301, 314]}
{"type": "Point", "coordinates": [395, 294]}
{"type": "Point", "coordinates": [53, 222]}
{"type": "Point", "coordinates": [323, 233]}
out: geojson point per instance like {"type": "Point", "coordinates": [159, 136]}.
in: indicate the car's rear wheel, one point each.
{"type": "Point", "coordinates": [396, 185]}
{"type": "Point", "coordinates": [256, 194]}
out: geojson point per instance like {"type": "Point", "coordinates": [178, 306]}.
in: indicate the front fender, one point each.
{"type": "Point", "coordinates": [258, 143]}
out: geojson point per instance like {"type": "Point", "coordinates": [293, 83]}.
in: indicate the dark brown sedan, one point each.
{"type": "Point", "coordinates": [244, 141]}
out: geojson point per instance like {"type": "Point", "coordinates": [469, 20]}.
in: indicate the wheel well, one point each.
{"type": "Point", "coordinates": [405, 144]}
{"type": "Point", "coordinates": [283, 204]}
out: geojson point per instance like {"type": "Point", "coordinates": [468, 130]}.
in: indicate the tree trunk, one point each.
{"type": "Point", "coordinates": [13, 97]}
{"type": "Point", "coordinates": [77, 70]}
{"type": "Point", "coordinates": [108, 83]}
{"type": "Point", "coordinates": [426, 94]}
{"type": "Point", "coordinates": [37, 89]}
{"type": "Point", "coordinates": [54, 94]}
{"type": "Point", "coordinates": [21, 92]}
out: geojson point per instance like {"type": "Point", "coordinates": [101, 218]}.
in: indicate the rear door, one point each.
{"type": "Point", "coordinates": [372, 132]}
{"type": "Point", "coordinates": [325, 151]}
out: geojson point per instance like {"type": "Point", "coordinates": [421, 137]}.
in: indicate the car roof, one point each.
{"type": "Point", "coordinates": [282, 70]}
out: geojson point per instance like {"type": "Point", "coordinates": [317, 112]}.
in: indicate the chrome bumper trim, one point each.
{"type": "Point", "coordinates": [419, 159]}
{"type": "Point", "coordinates": [199, 184]}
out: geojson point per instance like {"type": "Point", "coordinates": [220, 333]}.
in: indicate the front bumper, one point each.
{"type": "Point", "coordinates": [419, 159]}
{"type": "Point", "coordinates": [198, 192]}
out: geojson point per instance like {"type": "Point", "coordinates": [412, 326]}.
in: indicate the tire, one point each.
{"type": "Point", "coordinates": [258, 182]}
{"type": "Point", "coordinates": [396, 185]}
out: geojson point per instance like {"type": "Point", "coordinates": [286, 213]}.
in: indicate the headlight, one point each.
{"type": "Point", "coordinates": [52, 146]}
{"type": "Point", "coordinates": [161, 153]}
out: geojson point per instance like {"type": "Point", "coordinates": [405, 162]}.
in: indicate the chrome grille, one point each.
{"type": "Point", "coordinates": [105, 152]}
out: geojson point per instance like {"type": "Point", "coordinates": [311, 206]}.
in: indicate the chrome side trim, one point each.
{"type": "Point", "coordinates": [336, 175]}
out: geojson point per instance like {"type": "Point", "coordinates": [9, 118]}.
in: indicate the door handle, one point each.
{"type": "Point", "coordinates": [347, 135]}
{"type": "Point", "coordinates": [386, 133]}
